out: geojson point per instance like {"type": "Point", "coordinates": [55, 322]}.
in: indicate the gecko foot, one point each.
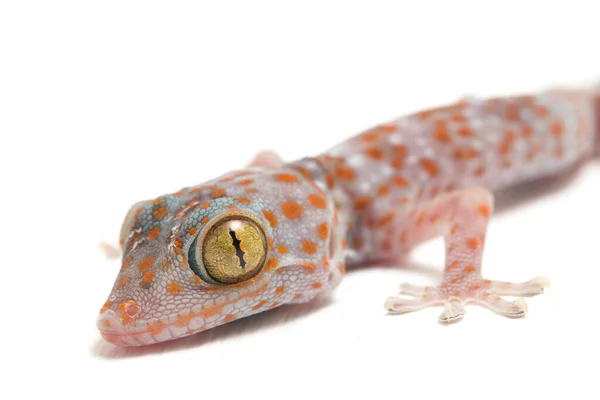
{"type": "Point", "coordinates": [484, 292]}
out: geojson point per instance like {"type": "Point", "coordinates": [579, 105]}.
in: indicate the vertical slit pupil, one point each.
{"type": "Point", "coordinates": [238, 250]}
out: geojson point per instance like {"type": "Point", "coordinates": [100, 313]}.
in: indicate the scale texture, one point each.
{"type": "Point", "coordinates": [369, 200]}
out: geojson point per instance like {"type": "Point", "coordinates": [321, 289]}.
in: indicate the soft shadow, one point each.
{"type": "Point", "coordinates": [244, 326]}
{"type": "Point", "coordinates": [508, 199]}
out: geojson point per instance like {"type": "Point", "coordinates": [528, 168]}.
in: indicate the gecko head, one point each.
{"type": "Point", "coordinates": [204, 256]}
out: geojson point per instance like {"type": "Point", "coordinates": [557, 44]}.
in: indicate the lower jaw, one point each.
{"type": "Point", "coordinates": [162, 334]}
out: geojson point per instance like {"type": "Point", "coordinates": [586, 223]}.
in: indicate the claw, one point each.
{"type": "Point", "coordinates": [511, 309]}
{"type": "Point", "coordinates": [454, 311]}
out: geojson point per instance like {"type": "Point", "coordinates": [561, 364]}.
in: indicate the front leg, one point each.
{"type": "Point", "coordinates": [462, 218]}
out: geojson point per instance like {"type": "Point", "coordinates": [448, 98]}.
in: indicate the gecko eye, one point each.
{"type": "Point", "coordinates": [233, 250]}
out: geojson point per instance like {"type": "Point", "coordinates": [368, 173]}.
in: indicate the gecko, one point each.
{"type": "Point", "coordinates": [277, 233]}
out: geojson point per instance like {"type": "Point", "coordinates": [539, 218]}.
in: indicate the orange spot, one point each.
{"type": "Point", "coordinates": [317, 285]}
{"type": "Point", "coordinates": [204, 205]}
{"type": "Point", "coordinates": [145, 264]}
{"type": "Point", "coordinates": [465, 130]}
{"type": "Point", "coordinates": [282, 249]}
{"type": "Point", "coordinates": [374, 152]}
{"type": "Point", "coordinates": [465, 153]}
{"type": "Point", "coordinates": [309, 247]}
{"type": "Point", "coordinates": [280, 289]}
{"type": "Point", "coordinates": [388, 128]}
{"type": "Point", "coordinates": [159, 213]}
{"type": "Point", "coordinates": [342, 267]}
{"type": "Point", "coordinates": [479, 171]}
{"type": "Point", "coordinates": [126, 263]}
{"type": "Point", "coordinates": [174, 288]}
{"type": "Point", "coordinates": [387, 218]}
{"type": "Point", "coordinates": [329, 181]}
{"type": "Point", "coordinates": [246, 182]}
{"type": "Point", "coordinates": [362, 202]}
{"type": "Point", "coordinates": [527, 131]}
{"type": "Point", "coordinates": [291, 209]}
{"type": "Point", "coordinates": [271, 218]}
{"type": "Point", "coordinates": [229, 318]}
{"type": "Point", "coordinates": [218, 193]}
{"type": "Point", "coordinates": [484, 210]}
{"type": "Point", "coordinates": [441, 134]}
{"type": "Point", "coordinates": [540, 111]}
{"type": "Point", "coordinates": [511, 112]}
{"type": "Point", "coordinates": [383, 190]}
{"type": "Point", "coordinates": [310, 268]}
{"type": "Point", "coordinates": [243, 200]}
{"type": "Point", "coordinates": [344, 244]}
{"type": "Point", "coordinates": [204, 220]}
{"type": "Point", "coordinates": [317, 200]}
{"type": "Point", "coordinates": [323, 231]}
{"type": "Point", "coordinates": [259, 305]}
{"type": "Point", "coordinates": [212, 310]}
{"type": "Point", "coordinates": [430, 166]}
{"type": "Point", "coordinates": [397, 163]}
{"type": "Point", "coordinates": [400, 181]}
{"type": "Point", "coordinates": [289, 178]}
{"type": "Point", "coordinates": [147, 277]}
{"type": "Point", "coordinates": [305, 172]}
{"type": "Point", "coordinates": [469, 269]}
{"type": "Point", "coordinates": [458, 118]}
{"type": "Point", "coordinates": [454, 229]}
{"type": "Point", "coordinates": [107, 323]}
{"type": "Point", "coordinates": [557, 128]}
{"type": "Point", "coordinates": [105, 306]}
{"type": "Point", "coordinates": [271, 264]}
{"type": "Point", "coordinates": [345, 173]}
{"type": "Point", "coordinates": [369, 136]}
{"type": "Point", "coordinates": [251, 191]}
{"type": "Point", "coordinates": [473, 243]}
{"type": "Point", "coordinates": [154, 232]}
{"type": "Point", "coordinates": [400, 150]}
{"type": "Point", "coordinates": [192, 230]}
{"type": "Point", "coordinates": [454, 265]}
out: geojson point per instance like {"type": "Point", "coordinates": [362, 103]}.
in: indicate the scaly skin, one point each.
{"type": "Point", "coordinates": [372, 198]}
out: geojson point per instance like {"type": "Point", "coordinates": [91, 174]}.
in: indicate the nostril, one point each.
{"type": "Point", "coordinates": [131, 309]}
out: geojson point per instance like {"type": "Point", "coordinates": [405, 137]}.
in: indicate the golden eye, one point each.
{"type": "Point", "coordinates": [233, 250]}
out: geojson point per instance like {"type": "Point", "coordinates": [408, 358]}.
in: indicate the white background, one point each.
{"type": "Point", "coordinates": [106, 103]}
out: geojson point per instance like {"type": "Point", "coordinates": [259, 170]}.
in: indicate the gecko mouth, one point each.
{"type": "Point", "coordinates": [142, 333]}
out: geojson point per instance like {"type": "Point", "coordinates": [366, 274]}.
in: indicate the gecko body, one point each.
{"type": "Point", "coordinates": [279, 233]}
